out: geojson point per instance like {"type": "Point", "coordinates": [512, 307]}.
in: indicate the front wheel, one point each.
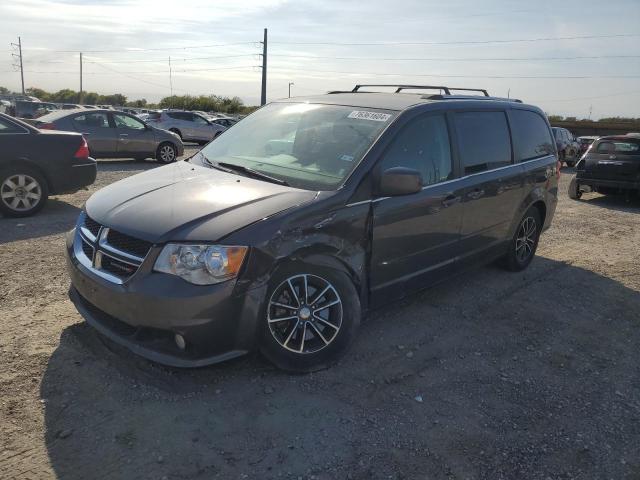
{"type": "Point", "coordinates": [166, 153]}
{"type": "Point", "coordinates": [310, 317]}
{"type": "Point", "coordinates": [574, 189]}
{"type": "Point", "coordinates": [23, 191]}
{"type": "Point", "coordinates": [524, 243]}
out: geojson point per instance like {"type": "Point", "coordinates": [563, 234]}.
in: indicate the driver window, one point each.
{"type": "Point", "coordinates": [422, 145]}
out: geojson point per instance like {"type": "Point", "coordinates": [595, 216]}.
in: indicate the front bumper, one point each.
{"type": "Point", "coordinates": [145, 312]}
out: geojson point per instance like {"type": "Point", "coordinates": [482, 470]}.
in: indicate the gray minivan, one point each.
{"type": "Point", "coordinates": [284, 231]}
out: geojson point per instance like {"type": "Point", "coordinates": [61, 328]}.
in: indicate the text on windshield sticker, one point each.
{"type": "Point", "coordinates": [375, 116]}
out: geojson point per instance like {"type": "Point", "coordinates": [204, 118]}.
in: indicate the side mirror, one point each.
{"type": "Point", "coordinates": [397, 181]}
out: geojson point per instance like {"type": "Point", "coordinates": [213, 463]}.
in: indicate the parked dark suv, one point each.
{"type": "Point", "coordinates": [309, 212]}
{"type": "Point", "coordinates": [611, 165]}
{"type": "Point", "coordinates": [568, 147]}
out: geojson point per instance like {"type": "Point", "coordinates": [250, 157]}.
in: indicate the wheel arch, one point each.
{"type": "Point", "coordinates": [34, 166]}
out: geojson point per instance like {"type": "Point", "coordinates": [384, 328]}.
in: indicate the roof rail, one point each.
{"type": "Point", "coordinates": [469, 97]}
{"type": "Point", "coordinates": [399, 88]}
{"type": "Point", "coordinates": [482, 90]}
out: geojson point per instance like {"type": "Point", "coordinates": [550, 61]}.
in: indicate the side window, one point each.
{"type": "Point", "coordinates": [530, 135]}
{"type": "Point", "coordinates": [91, 120]}
{"type": "Point", "coordinates": [125, 121]}
{"type": "Point", "coordinates": [484, 141]}
{"type": "Point", "coordinates": [10, 127]}
{"type": "Point", "coordinates": [199, 120]}
{"type": "Point", "coordinates": [423, 145]}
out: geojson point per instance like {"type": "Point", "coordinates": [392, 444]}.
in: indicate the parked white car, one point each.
{"type": "Point", "coordinates": [189, 126]}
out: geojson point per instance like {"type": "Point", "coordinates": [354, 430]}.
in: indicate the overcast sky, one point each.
{"type": "Point", "coordinates": [213, 47]}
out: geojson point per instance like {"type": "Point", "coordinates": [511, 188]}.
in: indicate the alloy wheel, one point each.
{"type": "Point", "coordinates": [167, 154]}
{"type": "Point", "coordinates": [526, 239]}
{"type": "Point", "coordinates": [20, 192]}
{"type": "Point", "coordinates": [305, 313]}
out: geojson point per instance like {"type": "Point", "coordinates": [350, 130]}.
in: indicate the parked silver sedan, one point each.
{"type": "Point", "coordinates": [113, 134]}
{"type": "Point", "coordinates": [190, 126]}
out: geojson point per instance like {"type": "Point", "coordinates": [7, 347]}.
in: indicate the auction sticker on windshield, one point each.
{"type": "Point", "coordinates": [375, 116]}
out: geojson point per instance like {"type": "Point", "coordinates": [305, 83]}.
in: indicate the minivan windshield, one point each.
{"type": "Point", "coordinates": [309, 146]}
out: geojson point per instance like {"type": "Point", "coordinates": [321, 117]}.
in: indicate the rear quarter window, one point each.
{"type": "Point", "coordinates": [531, 135]}
{"type": "Point", "coordinates": [91, 120]}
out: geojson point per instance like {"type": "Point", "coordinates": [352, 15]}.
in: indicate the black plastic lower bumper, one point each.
{"type": "Point", "coordinates": [154, 344]}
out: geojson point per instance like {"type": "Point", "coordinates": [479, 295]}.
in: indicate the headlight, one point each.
{"type": "Point", "coordinates": [201, 264]}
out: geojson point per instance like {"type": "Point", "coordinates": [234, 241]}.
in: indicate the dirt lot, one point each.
{"type": "Point", "coordinates": [492, 375]}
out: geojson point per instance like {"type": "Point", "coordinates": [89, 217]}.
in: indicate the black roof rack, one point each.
{"type": "Point", "coordinates": [446, 90]}
{"type": "Point", "coordinates": [399, 88]}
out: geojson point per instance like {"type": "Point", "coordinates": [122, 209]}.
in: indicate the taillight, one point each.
{"type": "Point", "coordinates": [47, 126]}
{"type": "Point", "coordinates": [83, 150]}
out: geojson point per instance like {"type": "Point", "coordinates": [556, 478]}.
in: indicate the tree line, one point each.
{"type": "Point", "coordinates": [207, 103]}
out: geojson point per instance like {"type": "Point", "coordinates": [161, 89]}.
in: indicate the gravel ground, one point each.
{"type": "Point", "coordinates": [493, 375]}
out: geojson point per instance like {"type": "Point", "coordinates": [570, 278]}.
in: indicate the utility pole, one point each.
{"type": "Point", "coordinates": [290, 83]}
{"type": "Point", "coordinates": [80, 94]}
{"type": "Point", "coordinates": [170, 78]}
{"type": "Point", "coordinates": [19, 56]}
{"type": "Point", "coordinates": [263, 96]}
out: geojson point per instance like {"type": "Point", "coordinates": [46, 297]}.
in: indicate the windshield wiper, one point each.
{"type": "Point", "coordinates": [249, 172]}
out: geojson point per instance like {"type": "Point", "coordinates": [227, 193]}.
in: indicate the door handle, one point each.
{"type": "Point", "coordinates": [475, 194]}
{"type": "Point", "coordinates": [86, 134]}
{"type": "Point", "coordinates": [124, 134]}
{"type": "Point", "coordinates": [450, 200]}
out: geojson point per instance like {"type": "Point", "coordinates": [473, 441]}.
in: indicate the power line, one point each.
{"type": "Point", "coordinates": [469, 59]}
{"type": "Point", "coordinates": [448, 75]}
{"type": "Point", "coordinates": [465, 42]}
{"type": "Point", "coordinates": [173, 59]}
{"type": "Point", "coordinates": [135, 50]}
{"type": "Point", "coordinates": [619, 94]}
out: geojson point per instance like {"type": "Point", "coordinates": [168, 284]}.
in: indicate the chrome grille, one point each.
{"type": "Point", "coordinates": [110, 254]}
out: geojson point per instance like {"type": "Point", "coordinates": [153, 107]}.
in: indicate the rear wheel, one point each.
{"type": "Point", "coordinates": [524, 243]}
{"type": "Point", "coordinates": [23, 191]}
{"type": "Point", "coordinates": [177, 132]}
{"type": "Point", "coordinates": [166, 153]}
{"type": "Point", "coordinates": [310, 317]}
{"type": "Point", "coordinates": [574, 189]}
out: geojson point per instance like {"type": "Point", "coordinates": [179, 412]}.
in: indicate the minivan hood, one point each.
{"type": "Point", "coordinates": [187, 202]}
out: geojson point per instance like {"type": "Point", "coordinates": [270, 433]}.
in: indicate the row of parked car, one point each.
{"type": "Point", "coordinates": [37, 158]}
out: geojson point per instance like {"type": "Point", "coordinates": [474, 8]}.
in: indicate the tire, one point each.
{"type": "Point", "coordinates": [166, 153]}
{"type": "Point", "coordinates": [177, 132]}
{"type": "Point", "coordinates": [574, 189]}
{"type": "Point", "coordinates": [521, 252]}
{"type": "Point", "coordinates": [23, 191]}
{"type": "Point", "coordinates": [323, 335]}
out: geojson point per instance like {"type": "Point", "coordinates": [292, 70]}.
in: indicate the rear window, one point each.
{"type": "Point", "coordinates": [531, 135]}
{"type": "Point", "coordinates": [92, 120]}
{"type": "Point", "coordinates": [618, 146]}
{"type": "Point", "coordinates": [179, 115]}
{"type": "Point", "coordinates": [484, 140]}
